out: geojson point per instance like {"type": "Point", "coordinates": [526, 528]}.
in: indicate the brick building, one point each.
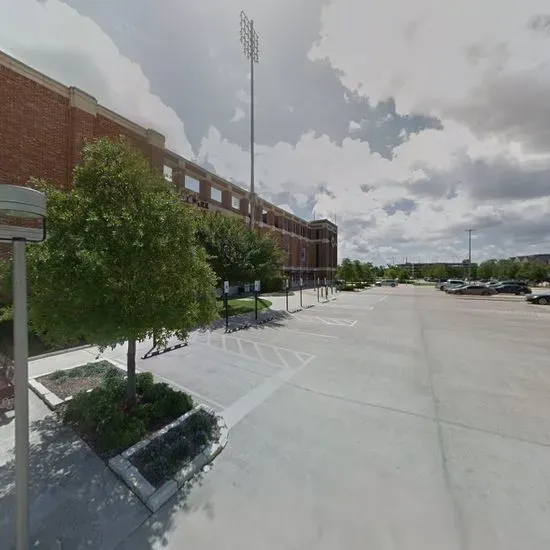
{"type": "Point", "coordinates": [43, 125]}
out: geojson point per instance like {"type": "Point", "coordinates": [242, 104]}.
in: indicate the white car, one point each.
{"type": "Point", "coordinates": [387, 282]}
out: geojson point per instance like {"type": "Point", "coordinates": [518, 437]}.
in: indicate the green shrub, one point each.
{"type": "Point", "coordinates": [347, 288]}
{"type": "Point", "coordinates": [103, 418]}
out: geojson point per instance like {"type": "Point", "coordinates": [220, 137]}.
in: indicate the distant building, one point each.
{"type": "Point", "coordinates": [541, 259]}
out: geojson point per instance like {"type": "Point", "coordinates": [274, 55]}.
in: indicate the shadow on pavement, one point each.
{"type": "Point", "coordinates": [75, 500]}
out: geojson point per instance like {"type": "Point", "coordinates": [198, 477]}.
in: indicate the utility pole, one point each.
{"type": "Point", "coordinates": [249, 41]}
{"type": "Point", "coordinates": [469, 231]}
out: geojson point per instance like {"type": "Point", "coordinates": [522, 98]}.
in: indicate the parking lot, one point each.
{"type": "Point", "coordinates": [391, 418]}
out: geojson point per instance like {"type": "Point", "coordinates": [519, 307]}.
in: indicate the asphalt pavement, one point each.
{"type": "Point", "coordinates": [387, 419]}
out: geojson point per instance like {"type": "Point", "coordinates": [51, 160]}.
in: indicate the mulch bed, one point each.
{"type": "Point", "coordinates": [166, 455]}
{"type": "Point", "coordinates": [66, 383]}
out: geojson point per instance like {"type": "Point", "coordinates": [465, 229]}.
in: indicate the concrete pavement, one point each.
{"type": "Point", "coordinates": [421, 422]}
{"type": "Point", "coordinates": [387, 419]}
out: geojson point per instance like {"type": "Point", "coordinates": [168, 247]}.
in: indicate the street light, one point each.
{"type": "Point", "coordinates": [250, 43]}
{"type": "Point", "coordinates": [22, 211]}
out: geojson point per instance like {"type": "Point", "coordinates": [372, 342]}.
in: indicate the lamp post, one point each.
{"type": "Point", "coordinates": [18, 206]}
{"type": "Point", "coordinates": [250, 43]}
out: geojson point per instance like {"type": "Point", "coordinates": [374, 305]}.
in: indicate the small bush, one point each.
{"type": "Point", "coordinates": [103, 418]}
{"type": "Point", "coordinates": [347, 288]}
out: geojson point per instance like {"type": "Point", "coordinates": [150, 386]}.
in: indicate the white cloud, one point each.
{"type": "Point", "coordinates": [482, 63]}
{"type": "Point", "coordinates": [485, 76]}
{"type": "Point", "coordinates": [56, 39]}
{"type": "Point", "coordinates": [239, 115]}
{"type": "Point", "coordinates": [286, 207]}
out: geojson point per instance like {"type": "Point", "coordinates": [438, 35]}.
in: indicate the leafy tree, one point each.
{"type": "Point", "coordinates": [439, 271]}
{"type": "Point", "coordinates": [264, 256]}
{"type": "Point", "coordinates": [225, 240]}
{"type": "Point", "coordinates": [486, 270]}
{"type": "Point", "coordinates": [347, 271]}
{"type": "Point", "coordinates": [121, 262]}
{"type": "Point", "coordinates": [402, 275]}
{"type": "Point", "coordinates": [359, 270]}
{"type": "Point", "coordinates": [391, 273]}
{"type": "Point", "coordinates": [235, 253]}
{"type": "Point", "coordinates": [368, 273]}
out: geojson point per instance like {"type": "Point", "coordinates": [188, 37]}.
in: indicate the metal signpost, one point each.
{"type": "Point", "coordinates": [301, 286]}
{"type": "Point", "coordinates": [226, 303]}
{"type": "Point", "coordinates": [256, 293]}
{"type": "Point", "coordinates": [21, 205]}
{"type": "Point", "coordinates": [318, 299]}
{"type": "Point", "coordinates": [286, 292]}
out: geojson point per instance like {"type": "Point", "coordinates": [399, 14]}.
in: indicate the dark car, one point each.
{"type": "Point", "coordinates": [512, 288]}
{"type": "Point", "coordinates": [472, 290]}
{"type": "Point", "coordinates": [541, 298]}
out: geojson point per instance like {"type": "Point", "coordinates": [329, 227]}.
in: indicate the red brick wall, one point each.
{"type": "Point", "coordinates": [41, 135]}
{"type": "Point", "coordinates": [33, 131]}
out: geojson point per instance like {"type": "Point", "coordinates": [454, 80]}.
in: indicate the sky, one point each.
{"type": "Point", "coordinates": [407, 122]}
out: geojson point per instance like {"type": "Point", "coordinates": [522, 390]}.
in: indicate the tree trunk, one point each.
{"type": "Point", "coordinates": [131, 372]}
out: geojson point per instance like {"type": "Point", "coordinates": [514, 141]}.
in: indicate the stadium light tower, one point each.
{"type": "Point", "coordinates": [249, 41]}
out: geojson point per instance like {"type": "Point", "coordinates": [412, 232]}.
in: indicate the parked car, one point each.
{"type": "Point", "coordinates": [512, 288]}
{"type": "Point", "coordinates": [542, 298]}
{"type": "Point", "coordinates": [473, 290]}
{"type": "Point", "coordinates": [387, 282]}
{"type": "Point", "coordinates": [451, 283]}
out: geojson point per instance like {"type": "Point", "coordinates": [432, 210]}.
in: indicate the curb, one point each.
{"type": "Point", "coordinates": [155, 498]}
{"type": "Point", "coordinates": [51, 399]}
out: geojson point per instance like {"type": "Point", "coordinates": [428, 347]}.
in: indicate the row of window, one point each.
{"type": "Point", "coordinates": [291, 226]}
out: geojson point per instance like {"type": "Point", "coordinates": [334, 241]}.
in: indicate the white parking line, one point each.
{"type": "Point", "coordinates": [319, 334]}
{"type": "Point", "coordinates": [282, 359]}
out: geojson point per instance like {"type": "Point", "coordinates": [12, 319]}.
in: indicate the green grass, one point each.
{"type": "Point", "coordinates": [245, 305]}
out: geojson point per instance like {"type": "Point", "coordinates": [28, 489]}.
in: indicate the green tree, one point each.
{"type": "Point", "coordinates": [264, 257]}
{"type": "Point", "coordinates": [368, 273]}
{"type": "Point", "coordinates": [486, 270]}
{"type": "Point", "coordinates": [439, 271]}
{"type": "Point", "coordinates": [235, 253]}
{"type": "Point", "coordinates": [121, 262]}
{"type": "Point", "coordinates": [391, 273]}
{"type": "Point", "coordinates": [225, 240]}
{"type": "Point", "coordinates": [402, 275]}
{"type": "Point", "coordinates": [359, 271]}
{"type": "Point", "coordinates": [347, 271]}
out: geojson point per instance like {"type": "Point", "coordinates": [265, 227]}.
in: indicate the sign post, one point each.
{"type": "Point", "coordinates": [301, 286]}
{"type": "Point", "coordinates": [326, 289]}
{"type": "Point", "coordinates": [226, 303]}
{"type": "Point", "coordinates": [318, 287]}
{"type": "Point", "coordinates": [286, 292]}
{"type": "Point", "coordinates": [256, 293]}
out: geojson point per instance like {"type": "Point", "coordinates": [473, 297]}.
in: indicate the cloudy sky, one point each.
{"type": "Point", "coordinates": [409, 120]}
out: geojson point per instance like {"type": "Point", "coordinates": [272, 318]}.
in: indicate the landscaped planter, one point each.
{"type": "Point", "coordinates": [58, 387]}
{"type": "Point", "coordinates": [168, 441]}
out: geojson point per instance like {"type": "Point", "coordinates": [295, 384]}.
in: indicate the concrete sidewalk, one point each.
{"type": "Point", "coordinates": [76, 502]}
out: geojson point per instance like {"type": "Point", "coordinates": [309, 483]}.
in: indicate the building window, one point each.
{"type": "Point", "coordinates": [168, 175]}
{"type": "Point", "coordinates": [192, 184]}
{"type": "Point", "coordinates": [236, 202]}
{"type": "Point", "coordinates": [215, 194]}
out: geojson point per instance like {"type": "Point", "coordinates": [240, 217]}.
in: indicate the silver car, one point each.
{"type": "Point", "coordinates": [472, 290]}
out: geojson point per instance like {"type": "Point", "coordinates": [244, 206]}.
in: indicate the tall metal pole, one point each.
{"type": "Point", "coordinates": [249, 41]}
{"type": "Point", "coordinates": [470, 253]}
{"type": "Point", "coordinates": [21, 352]}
